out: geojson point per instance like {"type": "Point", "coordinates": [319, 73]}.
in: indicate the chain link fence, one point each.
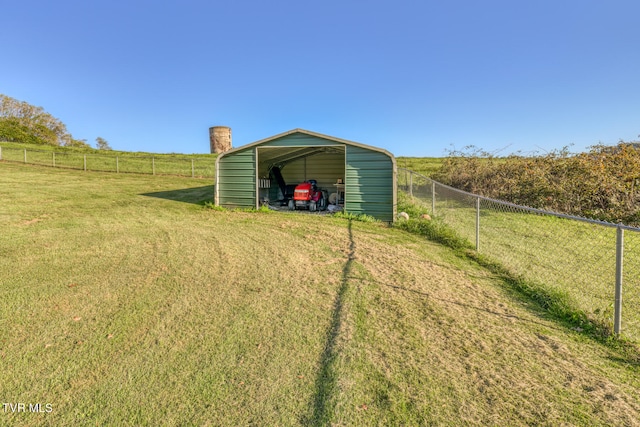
{"type": "Point", "coordinates": [596, 263]}
{"type": "Point", "coordinates": [202, 167]}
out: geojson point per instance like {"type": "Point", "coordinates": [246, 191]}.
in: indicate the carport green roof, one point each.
{"type": "Point", "coordinates": [369, 172]}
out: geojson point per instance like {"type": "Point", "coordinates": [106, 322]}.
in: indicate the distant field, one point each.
{"type": "Point", "coordinates": [43, 147]}
{"type": "Point", "coordinates": [148, 163]}
{"type": "Point", "coordinates": [424, 165]}
{"type": "Point", "coordinates": [124, 301]}
{"type": "Point", "coordinates": [195, 165]}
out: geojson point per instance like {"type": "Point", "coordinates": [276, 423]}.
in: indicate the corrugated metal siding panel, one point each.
{"type": "Point", "coordinates": [237, 179]}
{"type": "Point", "coordinates": [297, 139]}
{"type": "Point", "coordinates": [293, 173]}
{"type": "Point", "coordinates": [369, 183]}
{"type": "Point", "coordinates": [377, 211]}
{"type": "Point", "coordinates": [325, 168]}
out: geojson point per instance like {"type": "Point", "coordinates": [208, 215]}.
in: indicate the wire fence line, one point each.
{"type": "Point", "coordinates": [596, 263]}
{"type": "Point", "coordinates": [195, 167]}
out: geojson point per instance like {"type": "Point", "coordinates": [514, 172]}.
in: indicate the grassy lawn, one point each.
{"type": "Point", "coordinates": [124, 301]}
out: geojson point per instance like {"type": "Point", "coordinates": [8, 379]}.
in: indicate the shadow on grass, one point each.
{"type": "Point", "coordinates": [468, 306]}
{"type": "Point", "coordinates": [327, 378]}
{"type": "Point", "coordinates": [196, 195]}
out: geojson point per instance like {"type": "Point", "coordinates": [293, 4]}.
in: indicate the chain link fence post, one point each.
{"type": "Point", "coordinates": [411, 183]}
{"type": "Point", "coordinates": [54, 159]}
{"type": "Point", "coordinates": [25, 155]}
{"type": "Point", "coordinates": [433, 197]}
{"type": "Point", "coordinates": [153, 165]}
{"type": "Point", "coordinates": [193, 169]}
{"type": "Point", "coordinates": [477, 224]}
{"type": "Point", "coordinates": [617, 314]}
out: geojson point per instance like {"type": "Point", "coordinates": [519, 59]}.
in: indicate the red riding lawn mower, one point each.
{"type": "Point", "coordinates": [308, 196]}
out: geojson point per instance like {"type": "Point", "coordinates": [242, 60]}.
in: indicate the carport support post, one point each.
{"type": "Point", "coordinates": [617, 314]}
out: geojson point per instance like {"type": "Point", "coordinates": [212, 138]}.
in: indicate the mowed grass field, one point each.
{"type": "Point", "coordinates": [125, 301]}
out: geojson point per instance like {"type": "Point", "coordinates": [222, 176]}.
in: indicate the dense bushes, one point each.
{"type": "Point", "coordinates": [601, 184]}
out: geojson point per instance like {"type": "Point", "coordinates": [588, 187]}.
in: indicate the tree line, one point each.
{"type": "Point", "coordinates": [26, 123]}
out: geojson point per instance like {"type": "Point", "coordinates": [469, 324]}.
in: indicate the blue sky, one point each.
{"type": "Point", "coordinates": [417, 78]}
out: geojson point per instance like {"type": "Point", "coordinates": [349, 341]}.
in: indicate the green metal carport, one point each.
{"type": "Point", "coordinates": [245, 175]}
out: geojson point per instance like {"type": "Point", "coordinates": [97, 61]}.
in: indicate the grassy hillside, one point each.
{"type": "Point", "coordinates": [124, 301]}
{"type": "Point", "coordinates": [90, 150]}
{"type": "Point", "coordinates": [140, 162]}
{"type": "Point", "coordinates": [196, 165]}
{"type": "Point", "coordinates": [424, 165]}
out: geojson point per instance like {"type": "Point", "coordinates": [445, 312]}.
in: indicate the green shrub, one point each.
{"type": "Point", "coordinates": [214, 207]}
{"type": "Point", "coordinates": [603, 183]}
{"type": "Point", "coordinates": [262, 209]}
{"type": "Point", "coordinates": [355, 217]}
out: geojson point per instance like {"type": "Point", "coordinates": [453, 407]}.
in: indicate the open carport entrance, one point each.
{"type": "Point", "coordinates": [280, 169]}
